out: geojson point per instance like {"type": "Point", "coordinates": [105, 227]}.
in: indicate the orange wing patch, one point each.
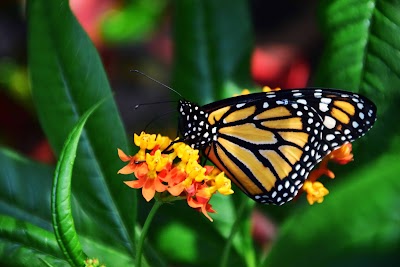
{"type": "Point", "coordinates": [262, 173]}
{"type": "Point", "coordinates": [293, 154]}
{"type": "Point", "coordinates": [340, 116]}
{"type": "Point", "coordinates": [249, 132]}
{"type": "Point", "coordinates": [273, 113]}
{"type": "Point", "coordinates": [240, 114]}
{"type": "Point", "coordinates": [229, 167]}
{"type": "Point", "coordinates": [299, 138]}
{"type": "Point", "coordinates": [281, 167]}
{"type": "Point", "coordinates": [346, 106]}
{"type": "Point", "coordinates": [217, 115]}
{"type": "Point", "coordinates": [290, 123]}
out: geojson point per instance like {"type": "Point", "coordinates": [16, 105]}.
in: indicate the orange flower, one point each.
{"type": "Point", "coordinates": [316, 190]}
{"type": "Point", "coordinates": [342, 155]}
{"type": "Point", "coordinates": [149, 173]}
{"type": "Point", "coordinates": [198, 198]}
{"type": "Point", "coordinates": [177, 172]}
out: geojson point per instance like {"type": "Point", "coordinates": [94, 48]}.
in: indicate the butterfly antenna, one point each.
{"type": "Point", "coordinates": [152, 103]}
{"type": "Point", "coordinates": [154, 80]}
{"type": "Point", "coordinates": [157, 118]}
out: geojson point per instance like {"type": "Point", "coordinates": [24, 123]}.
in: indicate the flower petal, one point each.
{"type": "Point", "coordinates": [148, 190]}
{"type": "Point", "coordinates": [135, 183]}
{"type": "Point", "coordinates": [159, 186]}
{"type": "Point", "coordinates": [128, 169]}
{"type": "Point", "coordinates": [123, 156]}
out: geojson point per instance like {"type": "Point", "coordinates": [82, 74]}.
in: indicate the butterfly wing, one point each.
{"type": "Point", "coordinates": [267, 143]}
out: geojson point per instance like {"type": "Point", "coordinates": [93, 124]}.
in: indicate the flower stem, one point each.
{"type": "Point", "coordinates": [143, 234]}
{"type": "Point", "coordinates": [234, 230]}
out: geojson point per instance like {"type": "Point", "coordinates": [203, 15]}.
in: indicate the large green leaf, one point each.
{"type": "Point", "coordinates": [67, 78]}
{"type": "Point", "coordinates": [24, 244]}
{"type": "Point", "coordinates": [27, 238]}
{"type": "Point", "coordinates": [212, 47]}
{"type": "Point", "coordinates": [359, 221]}
{"type": "Point", "coordinates": [63, 222]}
{"type": "Point", "coordinates": [26, 189]}
{"type": "Point", "coordinates": [204, 240]}
{"type": "Point", "coordinates": [362, 54]}
{"type": "Point", "coordinates": [362, 44]}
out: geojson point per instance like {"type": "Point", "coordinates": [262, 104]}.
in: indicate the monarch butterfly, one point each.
{"type": "Point", "coordinates": [267, 143]}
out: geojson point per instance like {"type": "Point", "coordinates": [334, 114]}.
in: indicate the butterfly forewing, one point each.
{"type": "Point", "coordinates": [267, 143]}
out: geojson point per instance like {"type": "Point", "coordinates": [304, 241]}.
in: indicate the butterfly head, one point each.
{"type": "Point", "coordinates": [194, 125]}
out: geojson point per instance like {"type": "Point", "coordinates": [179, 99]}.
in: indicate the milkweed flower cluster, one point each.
{"type": "Point", "coordinates": [172, 170]}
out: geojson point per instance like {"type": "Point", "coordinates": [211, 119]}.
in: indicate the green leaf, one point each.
{"type": "Point", "coordinates": [26, 189]}
{"type": "Point", "coordinates": [63, 223]}
{"type": "Point", "coordinates": [25, 195]}
{"type": "Point", "coordinates": [24, 244]}
{"type": "Point", "coordinates": [204, 241]}
{"type": "Point", "coordinates": [358, 221]}
{"type": "Point", "coordinates": [233, 221]}
{"type": "Point", "coordinates": [212, 46]}
{"type": "Point", "coordinates": [67, 78]}
{"type": "Point", "coordinates": [362, 46]}
{"type": "Point", "coordinates": [362, 54]}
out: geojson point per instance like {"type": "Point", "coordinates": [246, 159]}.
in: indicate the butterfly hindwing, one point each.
{"type": "Point", "coordinates": [270, 152]}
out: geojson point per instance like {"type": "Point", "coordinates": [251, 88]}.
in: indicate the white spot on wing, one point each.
{"type": "Point", "coordinates": [323, 107]}
{"type": "Point", "coordinates": [317, 95]}
{"type": "Point", "coordinates": [330, 137]}
{"type": "Point", "coordinates": [329, 122]}
{"type": "Point", "coordinates": [326, 100]}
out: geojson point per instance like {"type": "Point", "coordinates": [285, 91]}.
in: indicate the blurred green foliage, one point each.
{"type": "Point", "coordinates": [135, 21]}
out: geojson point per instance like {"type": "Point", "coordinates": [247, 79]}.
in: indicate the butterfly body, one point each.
{"type": "Point", "coordinates": [267, 143]}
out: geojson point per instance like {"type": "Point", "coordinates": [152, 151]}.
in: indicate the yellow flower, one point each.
{"type": "Point", "coordinates": [156, 162]}
{"type": "Point", "coordinates": [195, 170]}
{"type": "Point", "coordinates": [267, 89]}
{"type": "Point", "coordinates": [145, 141]}
{"type": "Point", "coordinates": [244, 92]}
{"type": "Point", "coordinates": [185, 152]}
{"type": "Point", "coordinates": [315, 192]}
{"type": "Point", "coordinates": [223, 184]}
